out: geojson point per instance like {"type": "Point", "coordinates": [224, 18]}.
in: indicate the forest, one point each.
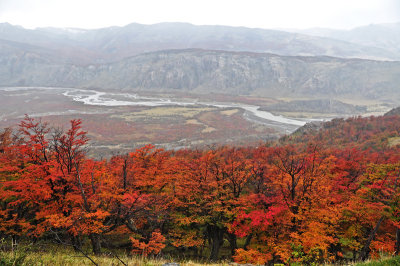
{"type": "Point", "coordinates": [325, 195]}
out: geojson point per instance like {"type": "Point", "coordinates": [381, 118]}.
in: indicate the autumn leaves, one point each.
{"type": "Point", "coordinates": [304, 201]}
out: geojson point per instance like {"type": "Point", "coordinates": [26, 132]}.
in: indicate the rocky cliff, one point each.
{"type": "Point", "coordinates": [205, 71]}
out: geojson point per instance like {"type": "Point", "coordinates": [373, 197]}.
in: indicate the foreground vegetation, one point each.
{"type": "Point", "coordinates": [61, 258]}
{"type": "Point", "coordinates": [327, 195]}
{"type": "Point", "coordinates": [69, 257]}
{"type": "Point", "coordinates": [391, 261]}
{"type": "Point", "coordinates": [42, 253]}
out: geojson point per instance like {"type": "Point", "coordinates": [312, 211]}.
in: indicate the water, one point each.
{"type": "Point", "coordinates": [92, 97]}
{"type": "Point", "coordinates": [113, 99]}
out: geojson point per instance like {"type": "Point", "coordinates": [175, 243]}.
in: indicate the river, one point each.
{"type": "Point", "coordinates": [98, 98]}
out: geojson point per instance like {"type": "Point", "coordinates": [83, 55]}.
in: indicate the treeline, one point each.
{"type": "Point", "coordinates": [329, 196]}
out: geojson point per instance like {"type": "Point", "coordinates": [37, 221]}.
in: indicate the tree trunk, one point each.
{"type": "Point", "coordinates": [397, 247]}
{"type": "Point", "coordinates": [365, 250]}
{"type": "Point", "coordinates": [125, 172]}
{"type": "Point", "coordinates": [13, 243]}
{"type": "Point", "coordinates": [96, 246]}
{"type": "Point", "coordinates": [248, 240]}
{"type": "Point", "coordinates": [216, 236]}
{"type": "Point", "coordinates": [76, 242]}
{"type": "Point", "coordinates": [233, 243]}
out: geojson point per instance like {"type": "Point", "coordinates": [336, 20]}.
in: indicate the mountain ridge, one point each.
{"type": "Point", "coordinates": [201, 59]}
{"type": "Point", "coordinates": [385, 36]}
{"type": "Point", "coordinates": [115, 43]}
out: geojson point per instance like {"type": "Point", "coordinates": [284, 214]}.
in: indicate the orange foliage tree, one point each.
{"type": "Point", "coordinates": [312, 198]}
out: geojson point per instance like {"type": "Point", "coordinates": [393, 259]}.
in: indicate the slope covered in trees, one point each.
{"type": "Point", "coordinates": [328, 195]}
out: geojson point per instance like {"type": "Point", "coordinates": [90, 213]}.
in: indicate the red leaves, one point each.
{"type": "Point", "coordinates": [258, 220]}
{"type": "Point", "coordinates": [69, 147]}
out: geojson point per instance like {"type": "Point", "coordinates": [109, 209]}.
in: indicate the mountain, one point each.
{"type": "Point", "coordinates": [17, 59]}
{"type": "Point", "coordinates": [57, 41]}
{"type": "Point", "coordinates": [201, 59]}
{"type": "Point", "coordinates": [394, 111]}
{"type": "Point", "coordinates": [115, 43]}
{"type": "Point", "coordinates": [250, 73]}
{"type": "Point", "coordinates": [207, 71]}
{"type": "Point", "coordinates": [384, 36]}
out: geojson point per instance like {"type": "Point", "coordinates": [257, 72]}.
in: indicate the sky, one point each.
{"type": "Point", "coordinates": [268, 14]}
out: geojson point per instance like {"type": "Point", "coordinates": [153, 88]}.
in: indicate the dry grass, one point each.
{"type": "Point", "coordinates": [70, 258]}
{"type": "Point", "coordinates": [186, 112]}
{"type": "Point", "coordinates": [230, 112]}
{"type": "Point", "coordinates": [193, 122]}
{"type": "Point", "coordinates": [394, 141]}
{"type": "Point", "coordinates": [208, 129]}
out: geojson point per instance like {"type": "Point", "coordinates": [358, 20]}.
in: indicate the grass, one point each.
{"type": "Point", "coordinates": [229, 112]}
{"type": "Point", "coordinates": [381, 262]}
{"type": "Point", "coordinates": [187, 112]}
{"type": "Point", "coordinates": [68, 257]}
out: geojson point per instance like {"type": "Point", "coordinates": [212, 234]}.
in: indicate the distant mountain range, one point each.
{"type": "Point", "coordinates": [384, 36]}
{"type": "Point", "coordinates": [179, 56]}
{"type": "Point", "coordinates": [115, 43]}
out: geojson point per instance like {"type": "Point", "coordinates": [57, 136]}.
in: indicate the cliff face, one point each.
{"type": "Point", "coordinates": [204, 71]}
{"type": "Point", "coordinates": [250, 73]}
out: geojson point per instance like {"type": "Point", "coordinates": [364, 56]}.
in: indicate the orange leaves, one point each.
{"type": "Point", "coordinates": [154, 245]}
{"type": "Point", "coordinates": [79, 222]}
{"type": "Point", "coordinates": [185, 237]}
{"type": "Point", "coordinates": [316, 236]}
{"type": "Point", "coordinates": [302, 202]}
{"type": "Point", "coordinates": [251, 256]}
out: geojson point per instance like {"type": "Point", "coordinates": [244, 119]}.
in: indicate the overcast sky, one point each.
{"type": "Point", "coordinates": [300, 14]}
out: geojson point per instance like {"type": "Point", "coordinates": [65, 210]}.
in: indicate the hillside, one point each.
{"type": "Point", "coordinates": [330, 195]}
{"type": "Point", "coordinates": [374, 132]}
{"type": "Point", "coordinates": [250, 73]}
{"type": "Point", "coordinates": [394, 111]}
{"type": "Point", "coordinates": [205, 71]}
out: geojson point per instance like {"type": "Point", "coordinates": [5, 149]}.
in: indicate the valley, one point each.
{"type": "Point", "coordinates": [118, 121]}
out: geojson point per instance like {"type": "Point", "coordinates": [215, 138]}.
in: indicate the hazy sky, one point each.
{"type": "Point", "coordinates": [343, 14]}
